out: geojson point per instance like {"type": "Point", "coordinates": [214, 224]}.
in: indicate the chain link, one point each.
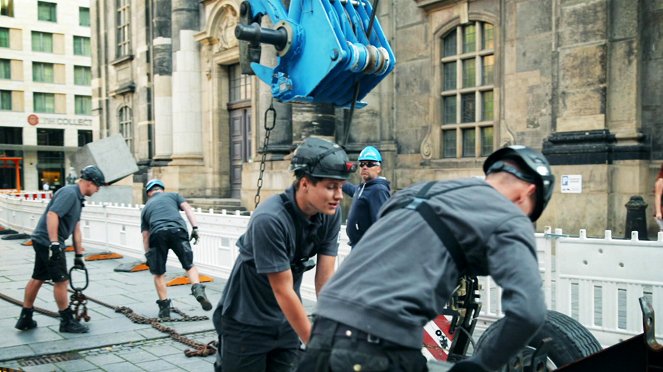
{"type": "Point", "coordinates": [200, 349]}
{"type": "Point", "coordinates": [78, 304]}
{"type": "Point", "coordinates": [268, 130]}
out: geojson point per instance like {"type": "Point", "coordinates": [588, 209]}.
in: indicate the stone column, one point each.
{"type": "Point", "coordinates": [186, 109]}
{"type": "Point", "coordinates": [162, 70]}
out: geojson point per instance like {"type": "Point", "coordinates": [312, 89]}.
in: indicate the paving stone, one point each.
{"type": "Point", "coordinates": [76, 365]}
{"type": "Point", "coordinates": [156, 365]}
{"type": "Point", "coordinates": [14, 337]}
{"type": "Point", "coordinates": [137, 356]}
{"type": "Point", "coordinates": [161, 350]}
{"type": "Point", "coordinates": [121, 367]}
{"type": "Point", "coordinates": [103, 359]}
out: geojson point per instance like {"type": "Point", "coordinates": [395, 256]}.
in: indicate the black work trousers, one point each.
{"type": "Point", "coordinates": [336, 347]}
{"type": "Point", "coordinates": [247, 348]}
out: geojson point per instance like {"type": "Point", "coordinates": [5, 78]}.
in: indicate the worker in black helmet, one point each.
{"type": "Point", "coordinates": [260, 319]}
{"type": "Point", "coordinates": [60, 220]}
{"type": "Point", "coordinates": [401, 274]}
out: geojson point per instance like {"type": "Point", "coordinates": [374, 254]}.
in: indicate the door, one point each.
{"type": "Point", "coordinates": [239, 108]}
{"type": "Point", "coordinates": [240, 147]}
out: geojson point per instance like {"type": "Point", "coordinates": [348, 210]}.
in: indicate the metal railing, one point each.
{"type": "Point", "coordinates": [597, 281]}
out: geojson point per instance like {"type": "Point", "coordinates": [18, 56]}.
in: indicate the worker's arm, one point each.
{"type": "Point", "coordinates": [146, 240]}
{"type": "Point", "coordinates": [323, 271]}
{"type": "Point", "coordinates": [658, 192]}
{"type": "Point", "coordinates": [77, 238]}
{"type": "Point", "coordinates": [513, 265]}
{"type": "Point", "coordinates": [189, 213]}
{"type": "Point", "coordinates": [349, 189]}
{"type": "Point", "coordinates": [52, 224]}
{"type": "Point", "coordinates": [282, 286]}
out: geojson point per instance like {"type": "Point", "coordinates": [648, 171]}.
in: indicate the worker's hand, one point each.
{"type": "Point", "coordinates": [79, 263]}
{"type": "Point", "coordinates": [467, 366]}
{"type": "Point", "coordinates": [56, 251]}
{"type": "Point", "coordinates": [194, 235]}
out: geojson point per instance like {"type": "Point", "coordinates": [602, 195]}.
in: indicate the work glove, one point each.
{"type": "Point", "coordinates": [56, 251]}
{"type": "Point", "coordinates": [79, 263]}
{"type": "Point", "coordinates": [194, 235]}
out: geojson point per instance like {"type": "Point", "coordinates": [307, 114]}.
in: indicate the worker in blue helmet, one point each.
{"type": "Point", "coordinates": [163, 229]}
{"type": "Point", "coordinates": [368, 196]}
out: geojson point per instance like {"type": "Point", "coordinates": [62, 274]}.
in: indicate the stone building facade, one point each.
{"type": "Point", "coordinates": [578, 79]}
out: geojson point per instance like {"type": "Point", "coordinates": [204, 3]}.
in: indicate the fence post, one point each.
{"type": "Point", "coordinates": [635, 217]}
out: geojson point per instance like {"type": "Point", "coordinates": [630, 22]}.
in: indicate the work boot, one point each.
{"type": "Point", "coordinates": [25, 320]}
{"type": "Point", "coordinates": [164, 308]}
{"type": "Point", "coordinates": [70, 325]}
{"type": "Point", "coordinates": [198, 291]}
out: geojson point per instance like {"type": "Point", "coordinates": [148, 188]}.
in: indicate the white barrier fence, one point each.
{"type": "Point", "coordinates": [595, 281]}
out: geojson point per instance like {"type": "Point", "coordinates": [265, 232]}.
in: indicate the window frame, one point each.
{"type": "Point", "coordinates": [7, 8]}
{"type": "Point", "coordinates": [42, 36]}
{"type": "Point", "coordinates": [79, 100]}
{"type": "Point", "coordinates": [52, 10]}
{"type": "Point", "coordinates": [463, 122]}
{"type": "Point", "coordinates": [87, 78]}
{"type": "Point", "coordinates": [81, 11]}
{"type": "Point", "coordinates": [122, 28]}
{"type": "Point", "coordinates": [125, 125]}
{"type": "Point", "coordinates": [83, 44]}
{"type": "Point", "coordinates": [6, 102]}
{"type": "Point", "coordinates": [6, 38]}
{"type": "Point", "coordinates": [43, 96]}
{"type": "Point", "coordinates": [5, 69]}
{"type": "Point", "coordinates": [41, 69]}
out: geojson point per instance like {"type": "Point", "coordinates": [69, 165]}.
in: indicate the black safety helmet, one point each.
{"type": "Point", "coordinates": [534, 168]}
{"type": "Point", "coordinates": [93, 174]}
{"type": "Point", "coordinates": [323, 159]}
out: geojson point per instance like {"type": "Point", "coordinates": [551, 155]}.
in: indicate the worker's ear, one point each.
{"type": "Point", "coordinates": [304, 183]}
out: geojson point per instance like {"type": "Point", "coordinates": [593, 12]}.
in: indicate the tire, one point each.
{"type": "Point", "coordinates": [571, 341]}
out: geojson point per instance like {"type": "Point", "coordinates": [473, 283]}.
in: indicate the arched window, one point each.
{"type": "Point", "coordinates": [468, 60]}
{"type": "Point", "coordinates": [126, 130]}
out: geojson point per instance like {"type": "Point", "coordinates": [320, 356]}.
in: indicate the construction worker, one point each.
{"type": "Point", "coordinates": [368, 196]}
{"type": "Point", "coordinates": [60, 220]}
{"type": "Point", "coordinates": [260, 318]}
{"type": "Point", "coordinates": [371, 314]}
{"type": "Point", "coordinates": [163, 228]}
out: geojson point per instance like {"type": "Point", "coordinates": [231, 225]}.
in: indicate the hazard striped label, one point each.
{"type": "Point", "coordinates": [437, 338]}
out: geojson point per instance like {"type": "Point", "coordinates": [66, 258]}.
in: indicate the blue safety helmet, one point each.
{"type": "Point", "coordinates": [154, 183]}
{"type": "Point", "coordinates": [533, 168]}
{"type": "Point", "coordinates": [370, 153]}
{"type": "Point", "coordinates": [93, 174]}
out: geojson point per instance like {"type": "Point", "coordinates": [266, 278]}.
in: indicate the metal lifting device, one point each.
{"type": "Point", "coordinates": [328, 51]}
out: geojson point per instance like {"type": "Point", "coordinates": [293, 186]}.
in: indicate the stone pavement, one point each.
{"type": "Point", "coordinates": [114, 343]}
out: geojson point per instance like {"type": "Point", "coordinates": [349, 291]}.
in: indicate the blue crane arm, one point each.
{"type": "Point", "coordinates": [324, 51]}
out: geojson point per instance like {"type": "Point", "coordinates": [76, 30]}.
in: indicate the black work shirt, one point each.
{"type": "Point", "coordinates": [269, 246]}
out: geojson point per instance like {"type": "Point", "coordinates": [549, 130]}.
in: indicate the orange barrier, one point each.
{"type": "Point", "coordinates": [182, 280]}
{"type": "Point", "coordinates": [102, 256]}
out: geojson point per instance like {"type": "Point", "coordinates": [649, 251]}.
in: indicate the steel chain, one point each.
{"type": "Point", "coordinates": [268, 130]}
{"type": "Point", "coordinates": [76, 301]}
{"type": "Point", "coordinates": [200, 349]}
